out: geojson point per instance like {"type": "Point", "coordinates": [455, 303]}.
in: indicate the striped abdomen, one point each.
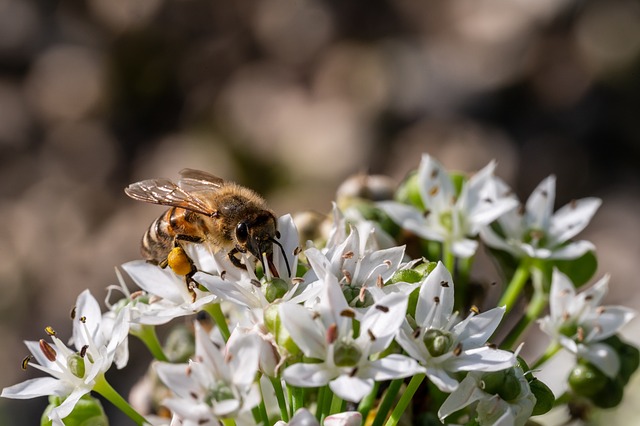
{"type": "Point", "coordinates": [174, 224]}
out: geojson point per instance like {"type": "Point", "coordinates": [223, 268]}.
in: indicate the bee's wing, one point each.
{"type": "Point", "coordinates": [165, 192]}
{"type": "Point", "coordinates": [198, 181]}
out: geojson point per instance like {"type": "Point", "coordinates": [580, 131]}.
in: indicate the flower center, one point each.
{"type": "Point", "coordinates": [535, 237]}
{"type": "Point", "coordinates": [438, 342]}
{"type": "Point", "coordinates": [219, 392]}
{"type": "Point", "coordinates": [75, 363]}
{"type": "Point", "coordinates": [346, 354]}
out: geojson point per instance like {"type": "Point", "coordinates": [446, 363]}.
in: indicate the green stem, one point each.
{"type": "Point", "coordinates": [282, 403]}
{"type": "Point", "coordinates": [406, 398]}
{"type": "Point", "coordinates": [215, 311]}
{"type": "Point", "coordinates": [322, 393]}
{"type": "Point", "coordinates": [229, 422]}
{"type": "Point", "coordinates": [106, 390]}
{"type": "Point", "coordinates": [387, 402]}
{"type": "Point", "coordinates": [536, 306]}
{"type": "Point", "coordinates": [297, 401]}
{"type": "Point", "coordinates": [336, 404]}
{"type": "Point", "coordinates": [147, 333]}
{"type": "Point", "coordinates": [448, 258]}
{"type": "Point", "coordinates": [368, 401]}
{"type": "Point", "coordinates": [552, 349]}
{"type": "Point", "coordinates": [515, 287]}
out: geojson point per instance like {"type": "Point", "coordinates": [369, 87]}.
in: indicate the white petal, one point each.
{"type": "Point", "coordinates": [464, 248]}
{"type": "Point", "coordinates": [539, 206]}
{"type": "Point", "coordinates": [349, 418]}
{"type": "Point", "coordinates": [307, 334]}
{"type": "Point", "coordinates": [32, 388]}
{"type": "Point", "coordinates": [435, 301]}
{"type": "Point", "coordinates": [351, 389]}
{"type": "Point", "coordinates": [562, 295]}
{"type": "Point", "coordinates": [157, 281]}
{"type": "Point", "coordinates": [609, 319]}
{"type": "Point", "coordinates": [568, 221]}
{"type": "Point", "coordinates": [466, 393]}
{"type": "Point", "coordinates": [385, 316]}
{"type": "Point", "coordinates": [479, 328]}
{"type": "Point", "coordinates": [481, 359]}
{"type": "Point", "coordinates": [308, 375]}
{"type": "Point", "coordinates": [410, 218]}
{"type": "Point", "coordinates": [244, 361]}
{"type": "Point", "coordinates": [67, 406]}
{"type": "Point", "coordinates": [175, 377]}
{"type": "Point", "coordinates": [434, 183]}
{"type": "Point", "coordinates": [394, 366]}
{"type": "Point", "coordinates": [87, 307]}
{"type": "Point", "coordinates": [602, 356]}
{"type": "Point", "coordinates": [442, 380]}
{"type": "Point", "coordinates": [414, 347]}
{"type": "Point", "coordinates": [303, 417]}
{"type": "Point", "coordinates": [493, 240]}
{"type": "Point", "coordinates": [573, 250]}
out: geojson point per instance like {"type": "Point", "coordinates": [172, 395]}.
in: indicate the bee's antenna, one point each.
{"type": "Point", "coordinates": [276, 242]}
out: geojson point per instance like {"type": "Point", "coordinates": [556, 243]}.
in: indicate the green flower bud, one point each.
{"type": "Point", "coordinates": [425, 268]}
{"type": "Point", "coordinates": [75, 363]}
{"type": "Point", "coordinates": [87, 412]}
{"type": "Point", "coordinates": [409, 191]}
{"type": "Point", "coordinates": [275, 289]}
{"type": "Point", "coordinates": [586, 379]}
{"type": "Point", "coordinates": [504, 383]}
{"type": "Point", "coordinates": [180, 344]}
{"type": "Point", "coordinates": [629, 361]}
{"type": "Point", "coordinates": [437, 342]}
{"type": "Point", "coordinates": [446, 220]}
{"type": "Point", "coordinates": [350, 293]}
{"type": "Point", "coordinates": [610, 395]}
{"type": "Point", "coordinates": [544, 397]}
{"type": "Point", "coordinates": [346, 354]}
{"type": "Point", "coordinates": [406, 276]}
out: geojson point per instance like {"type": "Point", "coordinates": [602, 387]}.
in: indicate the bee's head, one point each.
{"type": "Point", "coordinates": [257, 235]}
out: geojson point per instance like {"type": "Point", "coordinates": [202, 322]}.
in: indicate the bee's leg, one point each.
{"type": "Point", "coordinates": [236, 262]}
{"type": "Point", "coordinates": [180, 262]}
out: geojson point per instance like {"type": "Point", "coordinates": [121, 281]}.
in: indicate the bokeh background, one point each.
{"type": "Point", "coordinates": [290, 97]}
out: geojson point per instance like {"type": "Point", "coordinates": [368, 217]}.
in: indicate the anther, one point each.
{"type": "Point", "coordinates": [444, 284]}
{"type": "Point", "coordinates": [436, 300]}
{"type": "Point", "coordinates": [83, 350]}
{"type": "Point", "coordinates": [382, 308]}
{"type": "Point", "coordinates": [297, 251]}
{"type": "Point", "coordinates": [49, 330]}
{"type": "Point", "coordinates": [255, 283]}
{"type": "Point", "coordinates": [353, 372]}
{"type": "Point", "coordinates": [362, 294]}
{"type": "Point", "coordinates": [416, 333]}
{"type": "Point", "coordinates": [83, 319]}
{"type": "Point", "coordinates": [458, 350]}
{"type": "Point", "coordinates": [332, 333]}
{"type": "Point", "coordinates": [347, 313]}
{"type": "Point", "coordinates": [434, 190]}
{"type": "Point", "coordinates": [379, 282]}
{"type": "Point", "coordinates": [48, 350]}
{"type": "Point", "coordinates": [371, 335]}
{"type": "Point", "coordinates": [491, 345]}
{"type": "Point", "coordinates": [72, 314]}
{"type": "Point", "coordinates": [474, 309]}
{"type": "Point", "coordinates": [347, 276]}
{"type": "Point", "coordinates": [347, 254]}
{"type": "Point", "coordinates": [26, 361]}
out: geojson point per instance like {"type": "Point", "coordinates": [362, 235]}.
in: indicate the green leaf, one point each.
{"type": "Point", "coordinates": [579, 270]}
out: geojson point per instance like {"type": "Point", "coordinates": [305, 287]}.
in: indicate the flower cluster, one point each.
{"type": "Point", "coordinates": [350, 328]}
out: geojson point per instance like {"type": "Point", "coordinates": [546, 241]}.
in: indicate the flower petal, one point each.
{"type": "Point", "coordinates": [435, 301]}
{"type": "Point", "coordinates": [308, 375]}
{"type": "Point", "coordinates": [539, 206]}
{"type": "Point", "coordinates": [572, 218]}
{"type": "Point", "coordinates": [40, 386]}
{"type": "Point", "coordinates": [351, 389]}
{"type": "Point", "coordinates": [305, 332]}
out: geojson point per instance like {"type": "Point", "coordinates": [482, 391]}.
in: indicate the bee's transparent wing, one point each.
{"type": "Point", "coordinates": [165, 192]}
{"type": "Point", "coordinates": [198, 181]}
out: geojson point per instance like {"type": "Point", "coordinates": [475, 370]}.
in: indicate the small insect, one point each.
{"type": "Point", "coordinates": [208, 210]}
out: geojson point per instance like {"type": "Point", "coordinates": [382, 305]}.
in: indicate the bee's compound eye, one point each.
{"type": "Point", "coordinates": [242, 232]}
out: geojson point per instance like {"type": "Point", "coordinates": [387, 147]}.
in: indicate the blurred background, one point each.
{"type": "Point", "coordinates": [290, 97]}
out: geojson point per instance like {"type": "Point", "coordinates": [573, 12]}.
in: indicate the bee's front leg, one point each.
{"type": "Point", "coordinates": [236, 262]}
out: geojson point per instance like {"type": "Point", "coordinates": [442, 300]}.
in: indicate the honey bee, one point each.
{"type": "Point", "coordinates": [208, 210]}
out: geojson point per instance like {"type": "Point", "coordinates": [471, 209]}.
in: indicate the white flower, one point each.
{"type": "Point", "coordinates": [579, 323]}
{"type": "Point", "coordinates": [491, 409]}
{"type": "Point", "coordinates": [451, 218]}
{"type": "Point", "coordinates": [214, 384]}
{"type": "Point", "coordinates": [74, 372]}
{"type": "Point", "coordinates": [537, 232]}
{"type": "Point", "coordinates": [357, 263]}
{"type": "Point", "coordinates": [326, 334]}
{"type": "Point", "coordinates": [443, 343]}
{"type": "Point", "coordinates": [169, 295]}
{"type": "Point", "coordinates": [303, 417]}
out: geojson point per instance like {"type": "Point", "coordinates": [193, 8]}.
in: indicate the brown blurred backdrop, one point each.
{"type": "Point", "coordinates": [290, 97]}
